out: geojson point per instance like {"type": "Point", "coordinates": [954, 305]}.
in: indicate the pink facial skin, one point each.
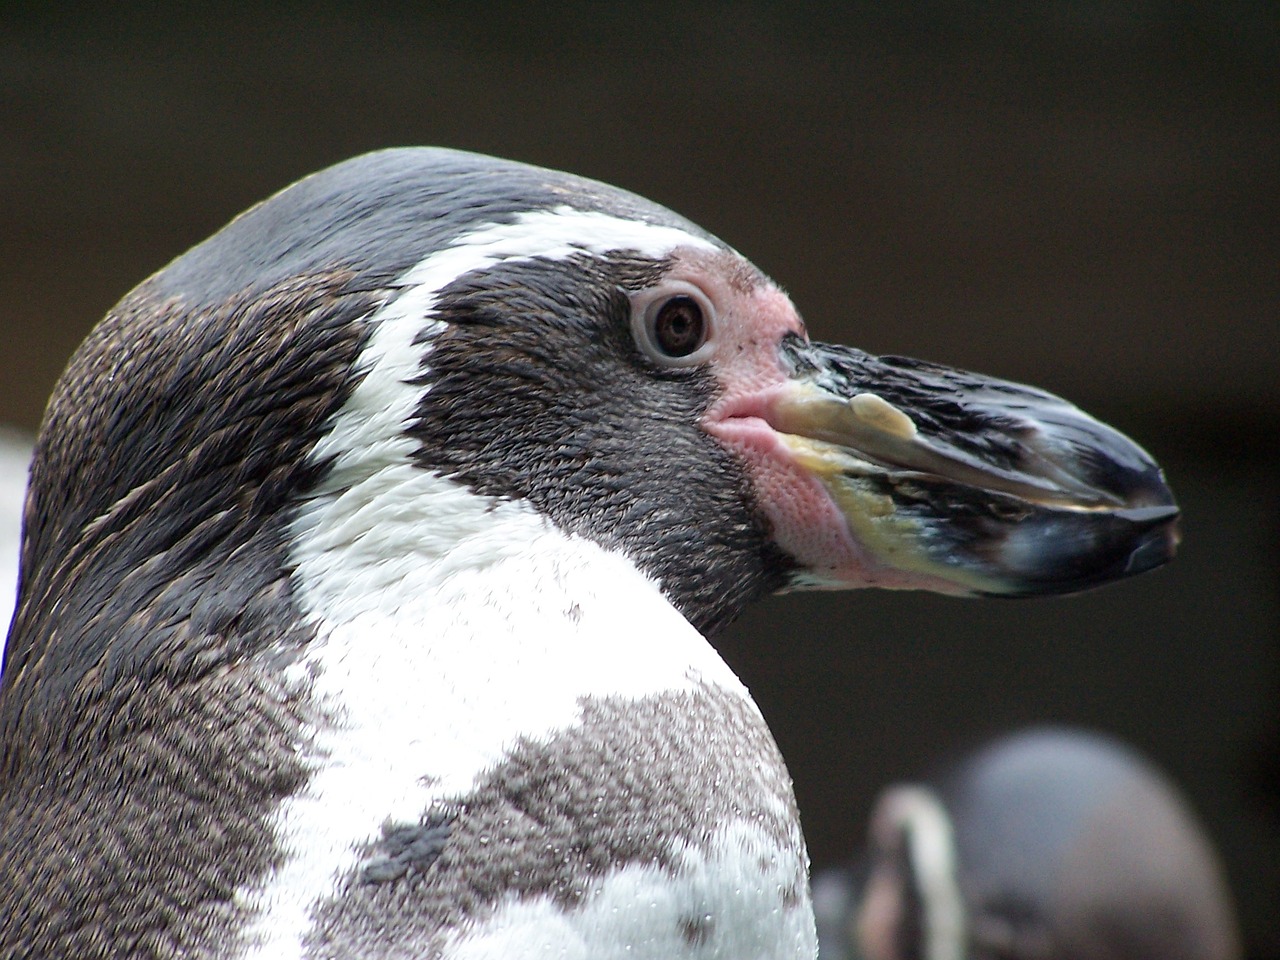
{"type": "Point", "coordinates": [752, 316]}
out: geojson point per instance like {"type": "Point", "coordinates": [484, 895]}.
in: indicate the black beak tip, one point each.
{"type": "Point", "coordinates": [1079, 552]}
{"type": "Point", "coordinates": [1157, 535]}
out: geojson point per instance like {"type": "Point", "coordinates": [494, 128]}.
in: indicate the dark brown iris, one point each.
{"type": "Point", "coordinates": [679, 327]}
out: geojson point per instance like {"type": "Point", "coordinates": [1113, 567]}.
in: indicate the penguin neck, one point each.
{"type": "Point", "coordinates": [449, 638]}
{"type": "Point", "coordinates": [450, 628]}
{"type": "Point", "coordinates": [435, 608]}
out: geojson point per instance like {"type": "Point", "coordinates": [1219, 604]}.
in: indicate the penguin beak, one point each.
{"type": "Point", "coordinates": [968, 483]}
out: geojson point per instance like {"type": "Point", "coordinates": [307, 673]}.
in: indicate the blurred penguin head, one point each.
{"type": "Point", "coordinates": [1050, 844]}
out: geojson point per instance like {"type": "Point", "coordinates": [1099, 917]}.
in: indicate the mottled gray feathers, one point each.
{"type": "Point", "coordinates": [632, 783]}
{"type": "Point", "coordinates": [134, 705]}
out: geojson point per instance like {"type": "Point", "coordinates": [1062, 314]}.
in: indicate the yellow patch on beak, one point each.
{"type": "Point", "coordinates": [879, 413]}
{"type": "Point", "coordinates": [874, 521]}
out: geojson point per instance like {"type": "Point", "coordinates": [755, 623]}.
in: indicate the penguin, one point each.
{"type": "Point", "coordinates": [1048, 842]}
{"type": "Point", "coordinates": [373, 550]}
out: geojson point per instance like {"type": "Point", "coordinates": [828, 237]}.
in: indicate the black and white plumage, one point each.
{"type": "Point", "coordinates": [370, 550]}
{"type": "Point", "coordinates": [1045, 843]}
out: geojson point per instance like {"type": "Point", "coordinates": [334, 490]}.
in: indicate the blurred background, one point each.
{"type": "Point", "coordinates": [1083, 195]}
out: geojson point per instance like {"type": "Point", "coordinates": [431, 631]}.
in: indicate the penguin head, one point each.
{"type": "Point", "coordinates": [1049, 843]}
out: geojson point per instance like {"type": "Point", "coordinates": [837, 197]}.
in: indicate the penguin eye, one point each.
{"type": "Point", "coordinates": [672, 325]}
{"type": "Point", "coordinates": [679, 327]}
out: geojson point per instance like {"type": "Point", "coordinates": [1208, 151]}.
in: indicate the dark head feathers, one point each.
{"type": "Point", "coordinates": [379, 214]}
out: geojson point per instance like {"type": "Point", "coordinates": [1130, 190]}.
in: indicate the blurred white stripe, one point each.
{"type": "Point", "coordinates": [15, 454]}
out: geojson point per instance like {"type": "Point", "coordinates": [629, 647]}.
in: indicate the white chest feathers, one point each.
{"type": "Point", "coordinates": [525, 752]}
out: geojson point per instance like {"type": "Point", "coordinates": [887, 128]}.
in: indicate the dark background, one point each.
{"type": "Point", "coordinates": [1083, 195]}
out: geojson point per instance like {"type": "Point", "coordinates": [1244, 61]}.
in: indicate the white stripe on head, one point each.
{"type": "Point", "coordinates": [449, 623]}
{"type": "Point", "coordinates": [346, 556]}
